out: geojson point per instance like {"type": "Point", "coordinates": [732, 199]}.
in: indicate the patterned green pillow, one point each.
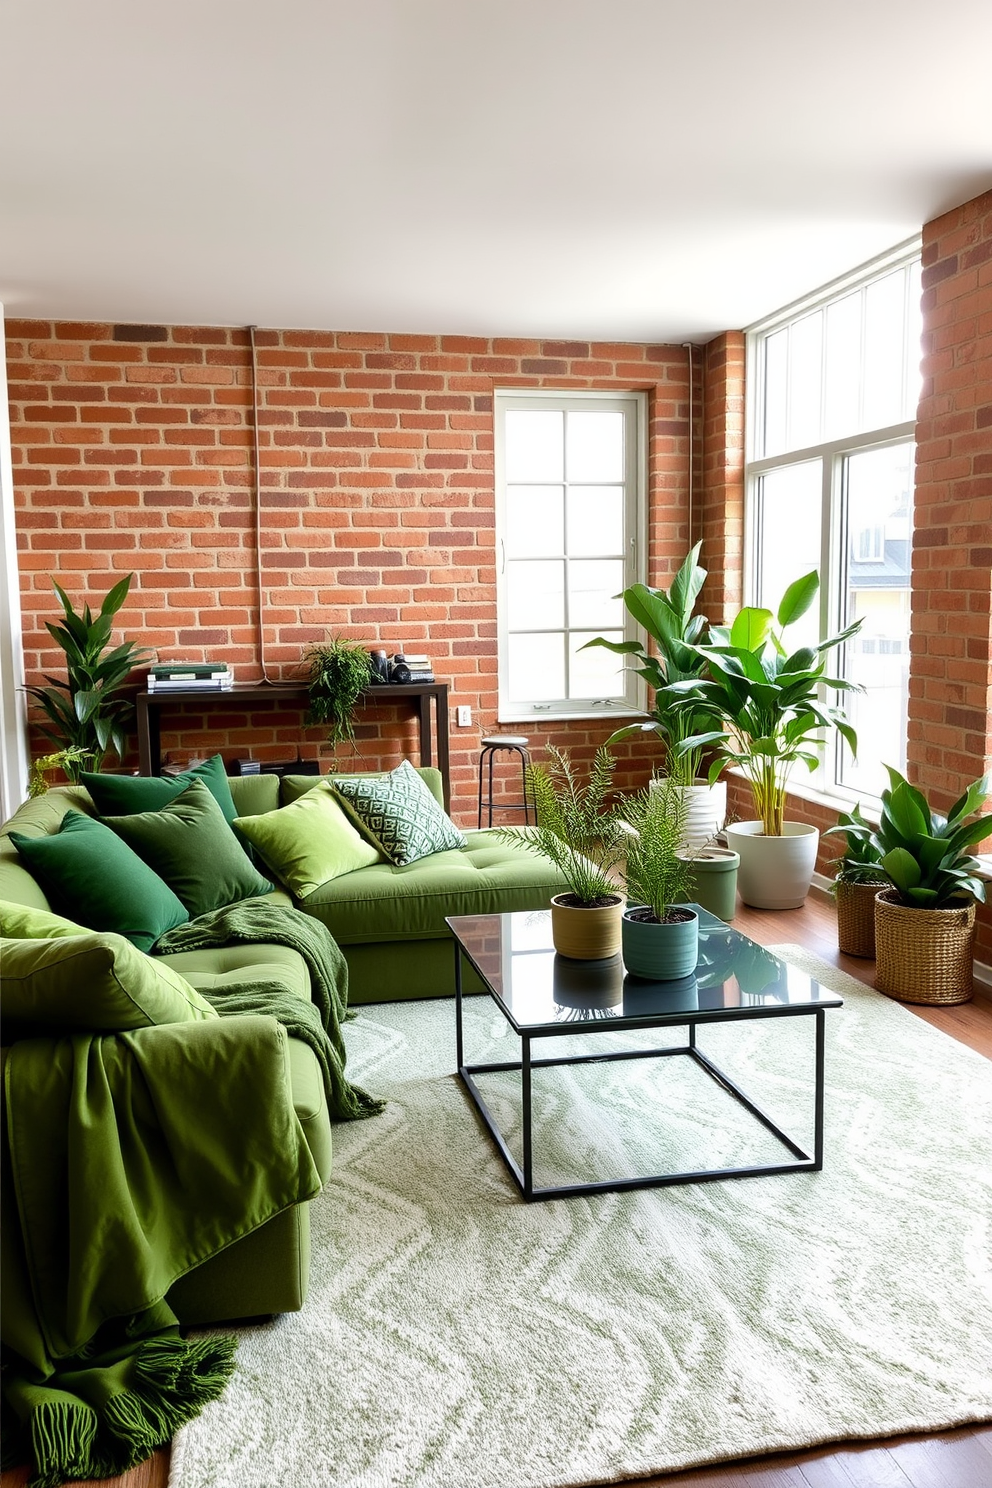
{"type": "Point", "coordinates": [399, 813]}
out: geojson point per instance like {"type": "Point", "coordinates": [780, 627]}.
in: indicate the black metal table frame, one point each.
{"type": "Point", "coordinates": [524, 1178]}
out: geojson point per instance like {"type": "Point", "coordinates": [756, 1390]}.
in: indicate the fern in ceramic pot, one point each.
{"type": "Point", "coordinates": [579, 833]}
{"type": "Point", "coordinates": [660, 936]}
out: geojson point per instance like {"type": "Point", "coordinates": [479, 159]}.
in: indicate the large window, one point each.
{"type": "Point", "coordinates": [836, 382]}
{"type": "Point", "coordinates": [569, 535]}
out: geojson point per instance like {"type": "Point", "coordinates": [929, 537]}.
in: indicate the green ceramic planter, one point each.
{"type": "Point", "coordinates": [714, 881]}
{"type": "Point", "coordinates": [660, 953]}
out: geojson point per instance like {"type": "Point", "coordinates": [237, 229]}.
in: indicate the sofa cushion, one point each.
{"type": "Point", "coordinates": [25, 922]}
{"type": "Point", "coordinates": [122, 795]}
{"type": "Point", "coordinates": [191, 846]}
{"type": "Point", "coordinates": [387, 903]}
{"type": "Point", "coordinates": [308, 843]}
{"type": "Point", "coordinates": [95, 878]}
{"type": "Point", "coordinates": [224, 966]}
{"type": "Point", "coordinates": [400, 814]}
{"type": "Point", "coordinates": [94, 983]}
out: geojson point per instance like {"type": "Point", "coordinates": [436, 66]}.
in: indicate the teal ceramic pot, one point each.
{"type": "Point", "coordinates": [660, 953]}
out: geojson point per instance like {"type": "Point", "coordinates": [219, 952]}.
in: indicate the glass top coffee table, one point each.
{"type": "Point", "coordinates": [542, 995]}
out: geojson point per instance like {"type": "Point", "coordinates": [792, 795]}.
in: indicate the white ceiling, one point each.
{"type": "Point", "coordinates": [636, 169]}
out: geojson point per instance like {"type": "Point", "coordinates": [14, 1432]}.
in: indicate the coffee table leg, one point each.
{"type": "Point", "coordinates": [459, 1050]}
{"type": "Point", "coordinates": [818, 1117]}
{"type": "Point", "coordinates": [526, 1105]}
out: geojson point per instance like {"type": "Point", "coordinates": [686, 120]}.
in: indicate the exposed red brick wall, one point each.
{"type": "Point", "coordinates": [950, 733]}
{"type": "Point", "coordinates": [718, 514]}
{"type": "Point", "coordinates": [133, 451]}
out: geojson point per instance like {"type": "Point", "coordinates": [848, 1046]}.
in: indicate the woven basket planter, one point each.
{"type": "Point", "coordinates": [924, 955]}
{"type": "Point", "coordinates": [856, 917]}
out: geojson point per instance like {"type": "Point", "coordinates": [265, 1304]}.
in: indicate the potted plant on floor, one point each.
{"type": "Point", "coordinates": [858, 877]}
{"type": "Point", "coordinates": [86, 713]}
{"type": "Point", "coordinates": [577, 832]}
{"type": "Point", "coordinates": [768, 704]}
{"type": "Point", "coordinates": [339, 672]}
{"type": "Point", "coordinates": [925, 920]}
{"type": "Point", "coordinates": [660, 936]}
{"type": "Point", "coordinates": [674, 629]}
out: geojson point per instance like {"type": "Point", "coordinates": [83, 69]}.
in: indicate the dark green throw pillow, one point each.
{"type": "Point", "coordinates": [122, 795]}
{"type": "Point", "coordinates": [190, 845]}
{"type": "Point", "coordinates": [89, 874]}
{"type": "Point", "coordinates": [399, 813]}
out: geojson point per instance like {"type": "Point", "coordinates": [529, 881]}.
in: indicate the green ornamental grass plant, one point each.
{"type": "Point", "coordinates": [655, 873]}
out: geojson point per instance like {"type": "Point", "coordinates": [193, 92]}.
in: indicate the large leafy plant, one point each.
{"type": "Point", "coordinates": [925, 855]}
{"type": "Point", "coordinates": [673, 628]}
{"type": "Point", "coordinates": [576, 830]}
{"type": "Point", "coordinates": [861, 860]}
{"type": "Point", "coordinates": [767, 701]}
{"type": "Point", "coordinates": [86, 713]}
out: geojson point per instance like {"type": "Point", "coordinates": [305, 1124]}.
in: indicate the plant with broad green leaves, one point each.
{"type": "Point", "coordinates": [576, 830]}
{"type": "Point", "coordinates": [766, 700]}
{"type": "Point", "coordinates": [655, 872]}
{"type": "Point", "coordinates": [861, 859]}
{"type": "Point", "coordinates": [673, 627]}
{"type": "Point", "coordinates": [86, 712]}
{"type": "Point", "coordinates": [925, 855]}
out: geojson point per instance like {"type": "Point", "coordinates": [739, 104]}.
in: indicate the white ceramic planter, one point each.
{"type": "Point", "coordinates": [705, 814]}
{"type": "Point", "coordinates": [775, 872]}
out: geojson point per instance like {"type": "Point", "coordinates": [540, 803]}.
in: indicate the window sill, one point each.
{"type": "Point", "coordinates": [818, 797]}
{"type": "Point", "coordinates": [603, 715]}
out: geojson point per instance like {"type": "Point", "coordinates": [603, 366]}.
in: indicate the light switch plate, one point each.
{"type": "Point", "coordinates": [464, 717]}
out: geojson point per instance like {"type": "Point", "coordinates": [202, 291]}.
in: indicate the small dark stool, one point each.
{"type": "Point", "coordinates": [515, 744]}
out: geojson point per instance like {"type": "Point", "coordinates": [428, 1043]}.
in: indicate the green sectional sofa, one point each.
{"type": "Point", "coordinates": [389, 923]}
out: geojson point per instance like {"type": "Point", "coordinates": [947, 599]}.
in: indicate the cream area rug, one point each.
{"type": "Point", "coordinates": [456, 1337]}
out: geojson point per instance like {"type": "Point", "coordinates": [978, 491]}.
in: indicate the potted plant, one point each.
{"type": "Point", "coordinates": [713, 878]}
{"type": "Point", "coordinates": [339, 672]}
{"type": "Point", "coordinates": [578, 833]}
{"type": "Point", "coordinates": [669, 619]}
{"type": "Point", "coordinates": [925, 920]}
{"type": "Point", "coordinates": [65, 760]}
{"type": "Point", "coordinates": [769, 711]}
{"type": "Point", "coordinates": [858, 877]}
{"type": "Point", "coordinates": [660, 937]}
{"type": "Point", "coordinates": [86, 713]}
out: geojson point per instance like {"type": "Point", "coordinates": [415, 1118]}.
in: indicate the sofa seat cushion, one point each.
{"type": "Point", "coordinates": [225, 966]}
{"type": "Point", "coordinates": [309, 1103]}
{"type": "Point", "coordinates": [388, 903]}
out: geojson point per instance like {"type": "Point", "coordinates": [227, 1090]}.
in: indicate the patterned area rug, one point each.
{"type": "Point", "coordinates": [456, 1336]}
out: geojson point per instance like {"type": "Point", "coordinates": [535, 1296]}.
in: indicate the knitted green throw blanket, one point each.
{"type": "Point", "coordinates": [318, 1023]}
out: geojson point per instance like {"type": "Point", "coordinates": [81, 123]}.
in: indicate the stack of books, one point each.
{"type": "Point", "coordinates": [190, 676]}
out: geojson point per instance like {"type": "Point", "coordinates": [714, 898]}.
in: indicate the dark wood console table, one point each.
{"type": "Point", "coordinates": [421, 694]}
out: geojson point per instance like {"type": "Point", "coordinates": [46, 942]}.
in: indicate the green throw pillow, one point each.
{"type": "Point", "coordinates": [122, 795]}
{"type": "Point", "coordinates": [308, 843]}
{"type": "Point", "coordinates": [92, 983]}
{"type": "Point", "coordinates": [190, 845]}
{"type": "Point", "coordinates": [86, 870]}
{"type": "Point", "coordinates": [400, 814]}
{"type": "Point", "coordinates": [24, 922]}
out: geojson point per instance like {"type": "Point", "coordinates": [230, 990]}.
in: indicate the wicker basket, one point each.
{"type": "Point", "coordinates": [924, 955]}
{"type": "Point", "coordinates": [856, 916]}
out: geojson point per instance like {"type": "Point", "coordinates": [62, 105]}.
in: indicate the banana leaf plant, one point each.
{"type": "Point", "coordinates": [86, 713]}
{"type": "Point", "coordinates": [925, 855]}
{"type": "Point", "coordinates": [673, 628]}
{"type": "Point", "coordinates": [768, 702]}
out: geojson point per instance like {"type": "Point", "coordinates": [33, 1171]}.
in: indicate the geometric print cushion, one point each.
{"type": "Point", "coordinates": [399, 812]}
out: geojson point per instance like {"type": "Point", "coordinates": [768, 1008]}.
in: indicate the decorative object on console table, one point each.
{"type": "Point", "coordinates": [586, 843]}
{"type": "Point", "coordinates": [192, 676]}
{"type": "Point", "coordinates": [767, 703]}
{"type": "Point", "coordinates": [925, 923]}
{"type": "Point", "coordinates": [340, 671]}
{"type": "Point", "coordinates": [429, 700]}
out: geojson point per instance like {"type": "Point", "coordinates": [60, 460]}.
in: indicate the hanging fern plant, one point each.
{"type": "Point", "coordinates": [339, 672]}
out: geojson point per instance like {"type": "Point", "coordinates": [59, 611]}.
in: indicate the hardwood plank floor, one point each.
{"type": "Point", "coordinates": [946, 1459]}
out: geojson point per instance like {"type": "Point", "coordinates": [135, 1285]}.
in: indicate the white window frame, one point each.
{"type": "Point", "coordinates": [822, 784]}
{"type": "Point", "coordinates": [633, 702]}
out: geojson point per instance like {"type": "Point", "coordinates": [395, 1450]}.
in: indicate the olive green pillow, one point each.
{"type": "Point", "coordinates": [190, 845]}
{"type": "Point", "coordinates": [400, 814]}
{"type": "Point", "coordinates": [24, 922]}
{"type": "Point", "coordinates": [308, 843]}
{"type": "Point", "coordinates": [122, 795]}
{"type": "Point", "coordinates": [91, 983]}
{"type": "Point", "coordinates": [86, 871]}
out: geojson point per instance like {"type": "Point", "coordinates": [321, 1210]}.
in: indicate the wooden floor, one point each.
{"type": "Point", "coordinates": [946, 1459]}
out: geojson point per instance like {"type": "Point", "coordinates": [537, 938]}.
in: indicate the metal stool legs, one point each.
{"type": "Point", "coordinates": [514, 744]}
